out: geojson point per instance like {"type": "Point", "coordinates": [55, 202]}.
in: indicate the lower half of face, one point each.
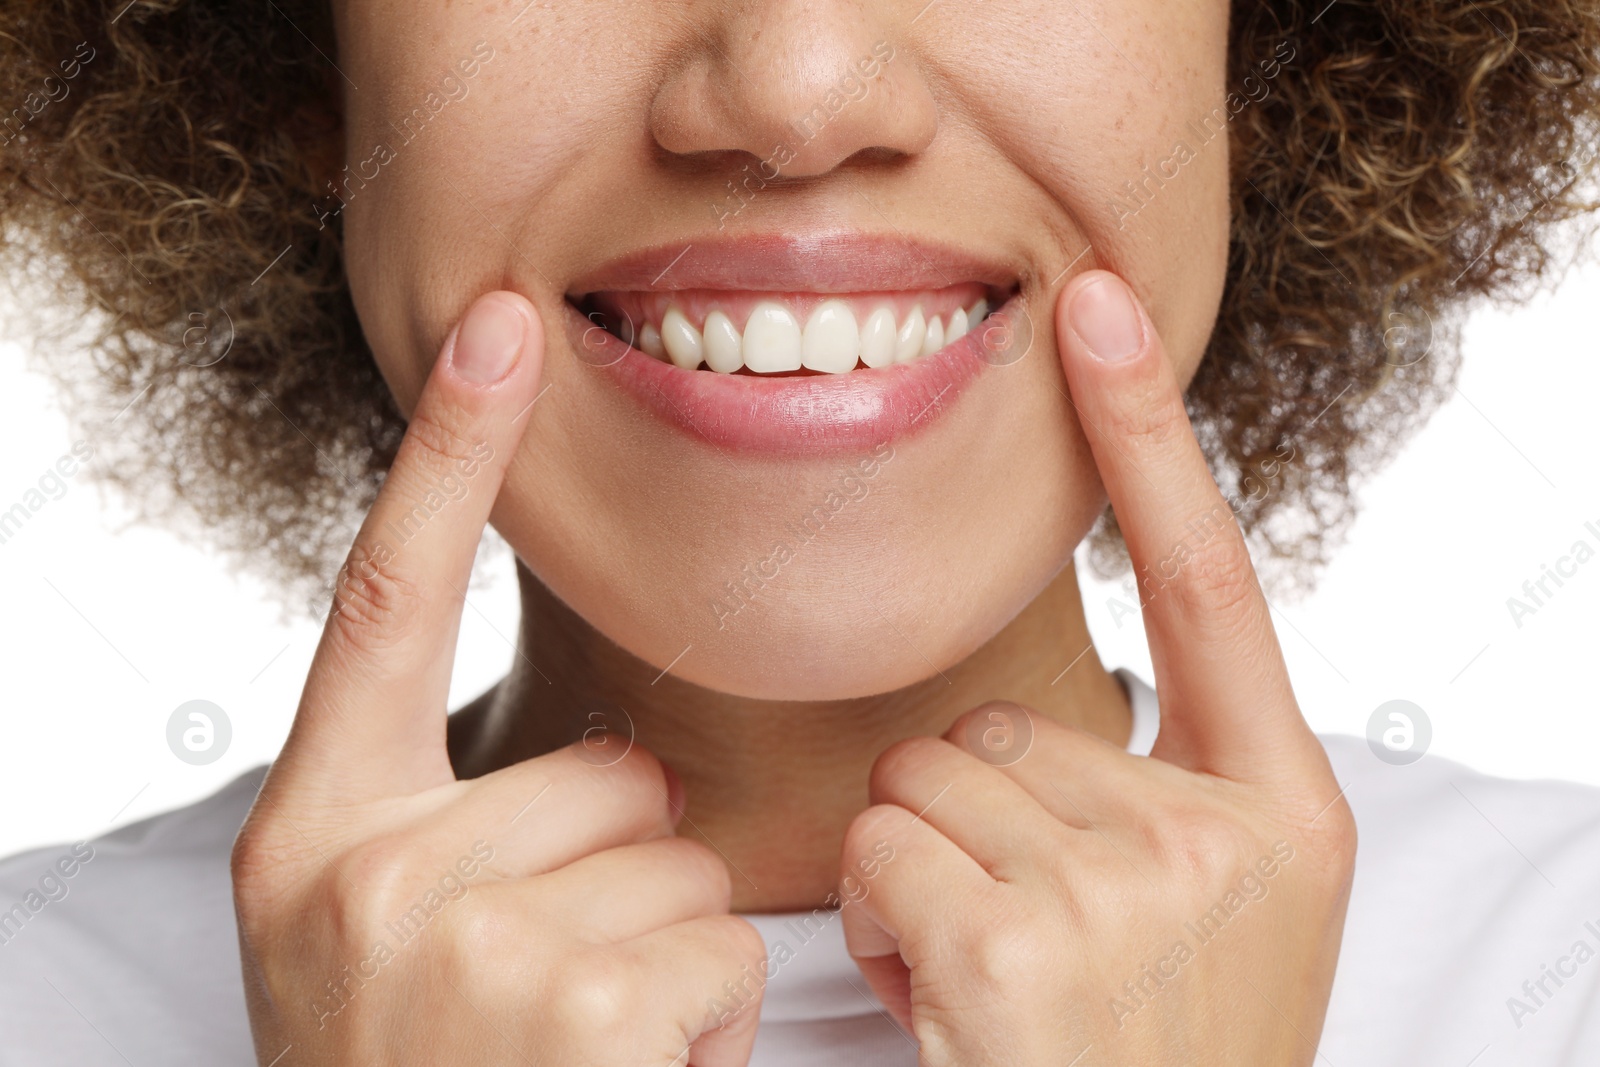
{"type": "Point", "coordinates": [805, 434]}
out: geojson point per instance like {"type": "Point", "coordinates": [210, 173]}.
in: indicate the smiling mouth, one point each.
{"type": "Point", "coordinates": [798, 345]}
{"type": "Point", "coordinates": [789, 334]}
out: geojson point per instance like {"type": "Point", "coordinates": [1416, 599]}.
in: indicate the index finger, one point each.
{"type": "Point", "coordinates": [1226, 703]}
{"type": "Point", "coordinates": [372, 715]}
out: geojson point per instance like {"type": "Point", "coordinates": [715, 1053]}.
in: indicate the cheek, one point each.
{"type": "Point", "coordinates": [452, 191]}
{"type": "Point", "coordinates": [1143, 172]}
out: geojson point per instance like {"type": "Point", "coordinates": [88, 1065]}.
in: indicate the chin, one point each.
{"type": "Point", "coordinates": [880, 599]}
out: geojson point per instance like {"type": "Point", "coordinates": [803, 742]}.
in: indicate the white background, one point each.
{"type": "Point", "coordinates": [106, 628]}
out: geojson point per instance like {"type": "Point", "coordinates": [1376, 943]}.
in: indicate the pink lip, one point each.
{"type": "Point", "coordinates": [842, 262]}
{"type": "Point", "coordinates": [801, 414]}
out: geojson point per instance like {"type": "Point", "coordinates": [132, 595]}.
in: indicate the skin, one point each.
{"type": "Point", "coordinates": [825, 729]}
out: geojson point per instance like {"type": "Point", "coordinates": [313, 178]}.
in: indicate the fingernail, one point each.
{"type": "Point", "coordinates": [1103, 315]}
{"type": "Point", "coordinates": [489, 341]}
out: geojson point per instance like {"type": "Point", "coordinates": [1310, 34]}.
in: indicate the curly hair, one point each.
{"type": "Point", "coordinates": [159, 163]}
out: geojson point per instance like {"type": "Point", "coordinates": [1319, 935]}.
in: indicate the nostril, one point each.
{"type": "Point", "coordinates": [796, 99]}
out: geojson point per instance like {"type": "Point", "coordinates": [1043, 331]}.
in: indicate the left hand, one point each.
{"type": "Point", "coordinates": [1085, 906]}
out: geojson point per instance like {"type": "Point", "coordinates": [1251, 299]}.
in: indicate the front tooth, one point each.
{"type": "Point", "coordinates": [908, 343]}
{"type": "Point", "coordinates": [771, 339]}
{"type": "Point", "coordinates": [681, 340]}
{"type": "Point", "coordinates": [958, 327]}
{"type": "Point", "coordinates": [877, 339]}
{"type": "Point", "coordinates": [935, 339]}
{"type": "Point", "coordinates": [831, 342]}
{"type": "Point", "coordinates": [650, 341]}
{"type": "Point", "coordinates": [723, 353]}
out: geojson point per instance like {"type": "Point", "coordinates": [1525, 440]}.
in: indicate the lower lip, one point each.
{"type": "Point", "coordinates": [796, 415]}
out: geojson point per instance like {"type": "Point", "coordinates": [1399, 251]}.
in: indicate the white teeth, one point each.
{"type": "Point", "coordinates": [908, 343]}
{"type": "Point", "coordinates": [650, 341]}
{"type": "Point", "coordinates": [723, 346]}
{"type": "Point", "coordinates": [958, 327]}
{"type": "Point", "coordinates": [831, 342]}
{"type": "Point", "coordinates": [877, 339]}
{"type": "Point", "coordinates": [772, 339]}
{"type": "Point", "coordinates": [935, 337]}
{"type": "Point", "coordinates": [682, 341]}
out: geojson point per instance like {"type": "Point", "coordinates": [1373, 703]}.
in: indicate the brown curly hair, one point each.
{"type": "Point", "coordinates": [1414, 156]}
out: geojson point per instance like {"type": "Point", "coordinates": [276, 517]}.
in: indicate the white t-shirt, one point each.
{"type": "Point", "coordinates": [1473, 936]}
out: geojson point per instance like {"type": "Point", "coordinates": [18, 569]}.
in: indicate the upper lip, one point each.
{"type": "Point", "coordinates": [834, 262]}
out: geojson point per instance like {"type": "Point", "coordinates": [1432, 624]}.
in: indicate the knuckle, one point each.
{"type": "Point", "coordinates": [437, 441]}
{"type": "Point", "coordinates": [743, 938]}
{"type": "Point", "coordinates": [998, 955]}
{"type": "Point", "coordinates": [1201, 847]}
{"type": "Point", "coordinates": [1148, 419]}
{"type": "Point", "coordinates": [1218, 579]}
{"type": "Point", "coordinates": [1067, 868]}
{"type": "Point", "coordinates": [645, 778]}
{"type": "Point", "coordinates": [591, 996]}
{"type": "Point", "coordinates": [375, 603]}
{"type": "Point", "coordinates": [708, 869]}
{"type": "Point", "coordinates": [371, 884]}
{"type": "Point", "coordinates": [478, 943]}
{"type": "Point", "coordinates": [869, 829]}
{"type": "Point", "coordinates": [1331, 837]}
{"type": "Point", "coordinates": [257, 865]}
{"type": "Point", "coordinates": [901, 762]}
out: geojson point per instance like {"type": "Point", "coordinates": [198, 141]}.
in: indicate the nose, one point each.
{"type": "Point", "coordinates": [802, 85]}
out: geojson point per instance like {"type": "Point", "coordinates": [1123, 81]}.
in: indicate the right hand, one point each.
{"type": "Point", "coordinates": [544, 913]}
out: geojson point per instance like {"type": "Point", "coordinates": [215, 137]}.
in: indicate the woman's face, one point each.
{"type": "Point", "coordinates": [795, 182]}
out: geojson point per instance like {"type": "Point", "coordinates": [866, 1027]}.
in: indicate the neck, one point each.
{"type": "Point", "coordinates": [772, 785]}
